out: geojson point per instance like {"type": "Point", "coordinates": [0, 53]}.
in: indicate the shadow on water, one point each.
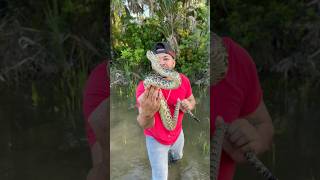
{"type": "Point", "coordinates": [129, 159]}
{"type": "Point", "coordinates": [33, 140]}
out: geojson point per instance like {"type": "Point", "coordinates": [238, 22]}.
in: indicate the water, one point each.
{"type": "Point", "coordinates": [33, 145]}
{"type": "Point", "coordinates": [129, 159]}
{"type": "Point", "coordinates": [31, 139]}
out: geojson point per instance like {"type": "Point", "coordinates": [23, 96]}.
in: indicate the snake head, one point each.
{"type": "Point", "coordinates": [152, 57]}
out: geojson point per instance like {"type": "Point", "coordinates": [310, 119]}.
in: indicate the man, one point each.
{"type": "Point", "coordinates": [236, 98]}
{"type": "Point", "coordinates": [161, 142]}
{"type": "Point", "coordinates": [96, 112]}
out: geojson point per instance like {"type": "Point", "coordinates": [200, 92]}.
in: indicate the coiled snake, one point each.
{"type": "Point", "coordinates": [157, 79]}
{"type": "Point", "coordinates": [219, 67]}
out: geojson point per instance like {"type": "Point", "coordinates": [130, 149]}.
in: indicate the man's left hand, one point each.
{"type": "Point", "coordinates": [242, 137]}
{"type": "Point", "coordinates": [185, 105]}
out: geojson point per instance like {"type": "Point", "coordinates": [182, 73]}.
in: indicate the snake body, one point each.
{"type": "Point", "coordinates": [216, 149]}
{"type": "Point", "coordinates": [158, 79]}
{"type": "Point", "coordinates": [218, 60]}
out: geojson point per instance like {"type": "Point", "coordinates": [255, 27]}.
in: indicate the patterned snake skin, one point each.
{"type": "Point", "coordinates": [216, 149]}
{"type": "Point", "coordinates": [174, 82]}
{"type": "Point", "coordinates": [219, 60]}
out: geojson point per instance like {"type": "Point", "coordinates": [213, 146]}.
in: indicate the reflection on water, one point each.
{"type": "Point", "coordinates": [129, 159]}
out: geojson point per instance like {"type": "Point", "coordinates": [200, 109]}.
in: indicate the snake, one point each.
{"type": "Point", "coordinates": [219, 60]}
{"type": "Point", "coordinates": [218, 70]}
{"type": "Point", "coordinates": [160, 79]}
{"type": "Point", "coordinates": [216, 149]}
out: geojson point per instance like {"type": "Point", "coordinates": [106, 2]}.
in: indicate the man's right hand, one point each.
{"type": "Point", "coordinates": [150, 101]}
{"type": "Point", "coordinates": [149, 105]}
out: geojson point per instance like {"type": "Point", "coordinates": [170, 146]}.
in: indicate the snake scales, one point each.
{"type": "Point", "coordinates": [216, 149]}
{"type": "Point", "coordinates": [218, 69]}
{"type": "Point", "coordinates": [219, 60]}
{"type": "Point", "coordinates": [158, 79]}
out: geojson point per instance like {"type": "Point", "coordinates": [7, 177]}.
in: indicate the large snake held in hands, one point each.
{"type": "Point", "coordinates": [216, 149]}
{"type": "Point", "coordinates": [218, 69]}
{"type": "Point", "coordinates": [158, 79]}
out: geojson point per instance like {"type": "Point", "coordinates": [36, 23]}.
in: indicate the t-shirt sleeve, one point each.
{"type": "Point", "coordinates": [187, 87]}
{"type": "Point", "coordinates": [252, 93]}
{"type": "Point", "coordinates": [97, 89]}
{"type": "Point", "coordinates": [139, 91]}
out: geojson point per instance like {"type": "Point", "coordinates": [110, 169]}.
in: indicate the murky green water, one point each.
{"type": "Point", "coordinates": [33, 143]}
{"type": "Point", "coordinates": [129, 159]}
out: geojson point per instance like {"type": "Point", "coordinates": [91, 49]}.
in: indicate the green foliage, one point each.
{"type": "Point", "coordinates": [34, 95]}
{"type": "Point", "coordinates": [59, 29]}
{"type": "Point", "coordinates": [49, 48]}
{"type": "Point", "coordinates": [270, 30]}
{"type": "Point", "coordinates": [194, 55]}
{"type": "Point", "coordinates": [132, 36]}
{"type": "Point", "coordinates": [71, 85]}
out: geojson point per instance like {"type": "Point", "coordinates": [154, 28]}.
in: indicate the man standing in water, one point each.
{"type": "Point", "coordinates": [236, 97]}
{"type": "Point", "coordinates": [96, 112]}
{"type": "Point", "coordinates": [161, 142]}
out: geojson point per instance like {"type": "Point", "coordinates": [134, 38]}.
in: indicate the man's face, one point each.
{"type": "Point", "coordinates": [166, 61]}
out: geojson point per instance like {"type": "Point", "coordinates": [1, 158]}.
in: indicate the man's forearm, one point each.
{"type": "Point", "coordinates": [99, 121]}
{"type": "Point", "coordinates": [193, 104]}
{"type": "Point", "coordinates": [99, 172]}
{"type": "Point", "coordinates": [262, 122]}
{"type": "Point", "coordinates": [265, 130]}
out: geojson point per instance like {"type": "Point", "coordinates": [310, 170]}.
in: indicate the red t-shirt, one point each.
{"type": "Point", "coordinates": [96, 90]}
{"type": "Point", "coordinates": [158, 131]}
{"type": "Point", "coordinates": [236, 96]}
